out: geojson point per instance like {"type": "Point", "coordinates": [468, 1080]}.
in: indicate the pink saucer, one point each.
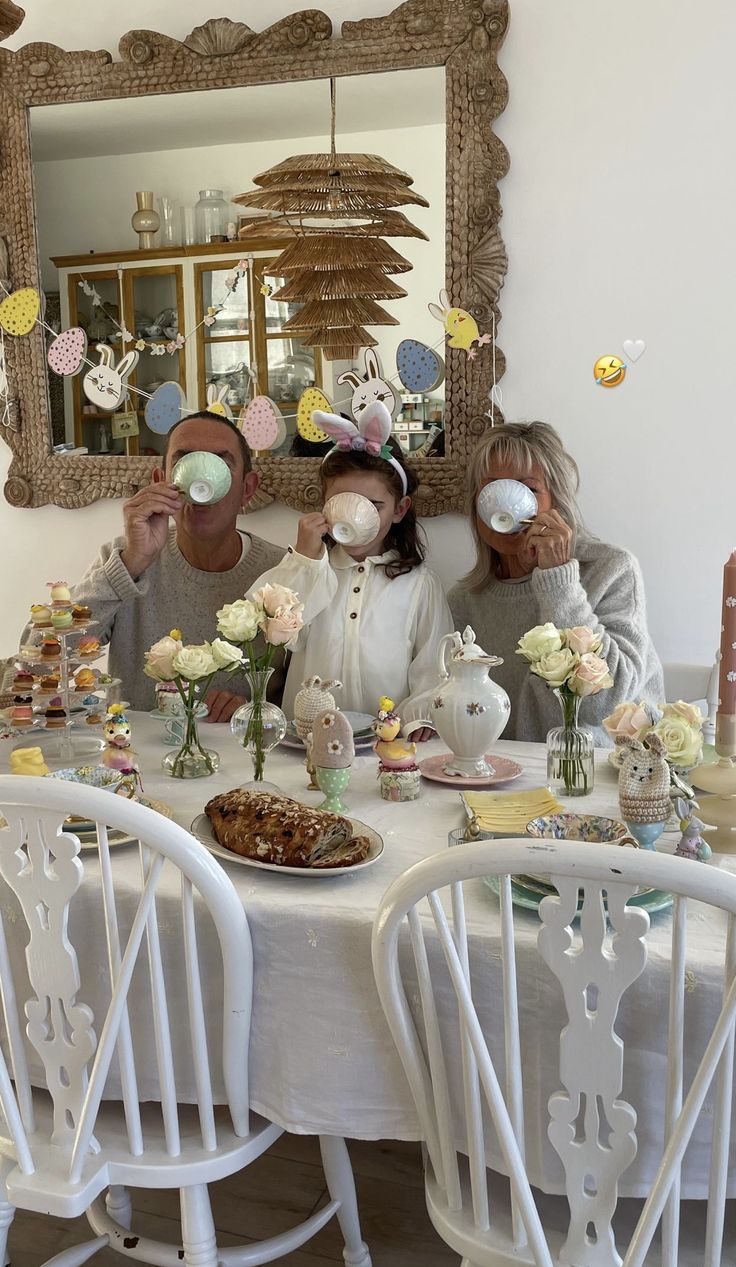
{"type": "Point", "coordinates": [504, 767]}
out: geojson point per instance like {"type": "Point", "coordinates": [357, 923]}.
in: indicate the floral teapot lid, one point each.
{"type": "Point", "coordinates": [466, 650]}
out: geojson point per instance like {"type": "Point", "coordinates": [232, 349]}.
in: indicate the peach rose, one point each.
{"type": "Point", "coordinates": [275, 598]}
{"type": "Point", "coordinates": [282, 630]}
{"type": "Point", "coordinates": [690, 712]}
{"type": "Point", "coordinates": [590, 676]}
{"type": "Point", "coordinates": [628, 719]}
{"type": "Point", "coordinates": [581, 639]}
{"type": "Point", "coordinates": [160, 659]}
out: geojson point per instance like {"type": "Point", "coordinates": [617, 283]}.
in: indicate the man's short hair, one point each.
{"type": "Point", "coordinates": [224, 422]}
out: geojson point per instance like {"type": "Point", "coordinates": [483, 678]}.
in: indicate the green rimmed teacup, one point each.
{"type": "Point", "coordinates": [203, 478]}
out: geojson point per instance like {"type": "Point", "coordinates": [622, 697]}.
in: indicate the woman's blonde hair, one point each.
{"type": "Point", "coordinates": [522, 445]}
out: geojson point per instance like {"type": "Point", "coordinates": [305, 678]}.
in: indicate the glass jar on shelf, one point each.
{"type": "Point", "coordinates": [211, 215]}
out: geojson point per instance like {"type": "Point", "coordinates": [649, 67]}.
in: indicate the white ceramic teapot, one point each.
{"type": "Point", "coordinates": [469, 711]}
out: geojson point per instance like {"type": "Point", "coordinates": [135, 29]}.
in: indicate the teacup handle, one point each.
{"type": "Point", "coordinates": [628, 840]}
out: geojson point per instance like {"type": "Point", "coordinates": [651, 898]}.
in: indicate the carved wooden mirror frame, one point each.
{"type": "Point", "coordinates": [462, 35]}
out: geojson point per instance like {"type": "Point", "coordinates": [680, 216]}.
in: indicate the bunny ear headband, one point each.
{"type": "Point", "coordinates": [370, 435]}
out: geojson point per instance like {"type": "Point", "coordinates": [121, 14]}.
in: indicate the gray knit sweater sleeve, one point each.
{"type": "Point", "coordinates": [107, 586]}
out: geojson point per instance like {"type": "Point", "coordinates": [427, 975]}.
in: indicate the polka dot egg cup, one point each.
{"type": "Point", "coordinates": [333, 784]}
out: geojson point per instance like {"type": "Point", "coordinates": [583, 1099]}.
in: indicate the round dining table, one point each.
{"type": "Point", "coordinates": [322, 1060]}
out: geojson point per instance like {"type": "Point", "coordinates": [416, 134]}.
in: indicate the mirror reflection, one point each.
{"type": "Point", "coordinates": [153, 275]}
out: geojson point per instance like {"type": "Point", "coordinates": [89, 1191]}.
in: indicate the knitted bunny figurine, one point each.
{"type": "Point", "coordinates": [643, 787]}
{"type": "Point", "coordinates": [314, 697]}
{"type": "Point", "coordinates": [333, 751]}
{"type": "Point", "coordinates": [691, 844]}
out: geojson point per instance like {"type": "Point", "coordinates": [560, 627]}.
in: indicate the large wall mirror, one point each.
{"type": "Point", "coordinates": [195, 122]}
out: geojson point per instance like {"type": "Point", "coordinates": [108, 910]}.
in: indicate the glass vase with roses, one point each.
{"type": "Point", "coordinates": [190, 668]}
{"type": "Point", "coordinates": [272, 616]}
{"type": "Point", "coordinates": [567, 661]}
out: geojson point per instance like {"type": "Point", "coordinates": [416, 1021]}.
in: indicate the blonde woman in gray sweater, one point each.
{"type": "Point", "coordinates": [555, 571]}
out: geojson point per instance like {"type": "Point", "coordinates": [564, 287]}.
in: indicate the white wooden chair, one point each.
{"type": "Point", "coordinates": [63, 1146]}
{"type": "Point", "coordinates": [464, 1102]}
{"type": "Point", "coordinates": [696, 684]}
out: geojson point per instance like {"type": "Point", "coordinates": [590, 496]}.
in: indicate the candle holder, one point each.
{"type": "Point", "coordinates": [719, 779]}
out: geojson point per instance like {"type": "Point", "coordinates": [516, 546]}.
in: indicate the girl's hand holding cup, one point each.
{"type": "Point", "coordinates": [312, 528]}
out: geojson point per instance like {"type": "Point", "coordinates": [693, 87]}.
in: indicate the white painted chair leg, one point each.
{"type": "Point", "coordinates": [7, 1214]}
{"type": "Point", "coordinates": [341, 1186]}
{"type": "Point", "coordinates": [198, 1236]}
{"type": "Point", "coordinates": [119, 1206]}
{"type": "Point", "coordinates": [78, 1254]}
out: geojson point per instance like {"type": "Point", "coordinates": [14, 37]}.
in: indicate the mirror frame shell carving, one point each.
{"type": "Point", "coordinates": [462, 35]}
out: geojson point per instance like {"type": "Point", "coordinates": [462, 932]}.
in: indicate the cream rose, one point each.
{"type": "Point", "coordinates": [590, 676]}
{"type": "Point", "coordinates": [282, 630]}
{"type": "Point", "coordinates": [160, 659]}
{"type": "Point", "coordinates": [581, 639]}
{"type": "Point", "coordinates": [555, 667]}
{"type": "Point", "coordinates": [225, 655]}
{"type": "Point", "coordinates": [628, 719]}
{"type": "Point", "coordinates": [275, 598]}
{"type": "Point", "coordinates": [542, 640]}
{"type": "Point", "coordinates": [690, 712]}
{"type": "Point", "coordinates": [239, 621]}
{"type": "Point", "coordinates": [683, 742]}
{"type": "Point", "coordinates": [195, 662]}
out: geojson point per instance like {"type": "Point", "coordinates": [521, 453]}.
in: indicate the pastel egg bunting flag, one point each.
{"type": "Point", "coordinates": [312, 398]}
{"type": "Point", "coordinates": [18, 312]}
{"type": "Point", "coordinates": [262, 424]}
{"type": "Point", "coordinates": [67, 352]}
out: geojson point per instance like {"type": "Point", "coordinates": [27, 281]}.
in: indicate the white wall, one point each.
{"type": "Point", "coordinates": [617, 217]}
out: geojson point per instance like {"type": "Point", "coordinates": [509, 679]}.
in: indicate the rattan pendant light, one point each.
{"type": "Point", "coordinates": [336, 210]}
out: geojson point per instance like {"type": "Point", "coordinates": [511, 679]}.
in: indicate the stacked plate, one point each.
{"type": "Point", "coordinates": [362, 724]}
{"type": "Point", "coordinates": [528, 891]}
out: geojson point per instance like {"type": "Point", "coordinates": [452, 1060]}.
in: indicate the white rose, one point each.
{"type": "Point", "coordinates": [275, 598]}
{"type": "Point", "coordinates": [540, 641]}
{"type": "Point", "coordinates": [160, 659]}
{"type": "Point", "coordinates": [581, 639]}
{"type": "Point", "coordinates": [590, 676]}
{"type": "Point", "coordinates": [556, 667]}
{"type": "Point", "coordinates": [683, 743]}
{"type": "Point", "coordinates": [239, 621]}
{"type": "Point", "coordinates": [225, 655]}
{"type": "Point", "coordinates": [195, 662]}
{"type": "Point", "coordinates": [283, 628]}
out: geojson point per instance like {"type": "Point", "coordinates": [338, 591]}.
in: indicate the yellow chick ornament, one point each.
{"type": "Point", "coordinates": [393, 753]}
{"type": "Point", "coordinates": [460, 326]}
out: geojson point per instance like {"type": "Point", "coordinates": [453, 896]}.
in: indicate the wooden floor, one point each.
{"type": "Point", "coordinates": [276, 1192]}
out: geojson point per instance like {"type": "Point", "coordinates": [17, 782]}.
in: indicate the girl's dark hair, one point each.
{"type": "Point", "coordinates": [405, 537]}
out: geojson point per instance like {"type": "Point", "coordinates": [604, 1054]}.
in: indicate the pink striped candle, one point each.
{"type": "Point", "coordinates": [726, 717]}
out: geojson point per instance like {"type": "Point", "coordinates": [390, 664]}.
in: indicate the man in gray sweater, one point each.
{"type": "Point", "coordinates": [161, 575]}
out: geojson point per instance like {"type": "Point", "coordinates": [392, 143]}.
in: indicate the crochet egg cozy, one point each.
{"type": "Point", "coordinates": [333, 747]}
{"type": "Point", "coordinates": [643, 780]}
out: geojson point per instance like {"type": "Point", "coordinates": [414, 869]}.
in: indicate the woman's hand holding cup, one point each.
{"type": "Point", "coordinates": [547, 541]}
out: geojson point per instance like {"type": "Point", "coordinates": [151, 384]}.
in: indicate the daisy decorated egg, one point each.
{"type": "Point", "coordinates": [262, 424]}
{"type": "Point", "coordinates": [310, 400]}
{"type": "Point", "coordinates": [19, 311]}
{"type": "Point", "coordinates": [420, 368]}
{"type": "Point", "coordinates": [166, 406]}
{"type": "Point", "coordinates": [67, 351]}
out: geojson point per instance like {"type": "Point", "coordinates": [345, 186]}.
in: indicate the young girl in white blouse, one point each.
{"type": "Point", "coordinates": [374, 614]}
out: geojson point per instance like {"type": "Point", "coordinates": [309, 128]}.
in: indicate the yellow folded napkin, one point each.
{"type": "Point", "coordinates": [509, 812]}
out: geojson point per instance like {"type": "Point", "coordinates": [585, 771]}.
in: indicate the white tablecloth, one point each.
{"type": "Point", "coordinates": [322, 1059]}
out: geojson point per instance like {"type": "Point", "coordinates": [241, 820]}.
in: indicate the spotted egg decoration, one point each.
{"type": "Point", "coordinates": [165, 407]}
{"type": "Point", "coordinates": [67, 351]}
{"type": "Point", "coordinates": [419, 367]}
{"type": "Point", "coordinates": [18, 312]}
{"type": "Point", "coordinates": [262, 424]}
{"type": "Point", "coordinates": [310, 400]}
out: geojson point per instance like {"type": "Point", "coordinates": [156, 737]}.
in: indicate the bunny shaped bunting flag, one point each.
{"type": "Point", "coordinates": [105, 385]}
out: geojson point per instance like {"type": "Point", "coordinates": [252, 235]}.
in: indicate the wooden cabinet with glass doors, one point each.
{"type": "Point", "coordinates": [155, 295]}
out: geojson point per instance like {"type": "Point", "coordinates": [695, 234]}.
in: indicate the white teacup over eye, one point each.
{"type": "Point", "coordinates": [353, 520]}
{"type": "Point", "coordinates": [504, 504]}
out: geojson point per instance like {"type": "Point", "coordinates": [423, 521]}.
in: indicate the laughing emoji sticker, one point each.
{"type": "Point", "coordinates": [609, 371]}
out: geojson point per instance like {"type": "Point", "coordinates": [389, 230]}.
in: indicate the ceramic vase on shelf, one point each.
{"type": "Point", "coordinates": [570, 750]}
{"type": "Point", "coordinates": [191, 760]}
{"type": "Point", "coordinates": [145, 220]}
{"type": "Point", "coordinates": [259, 725]}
